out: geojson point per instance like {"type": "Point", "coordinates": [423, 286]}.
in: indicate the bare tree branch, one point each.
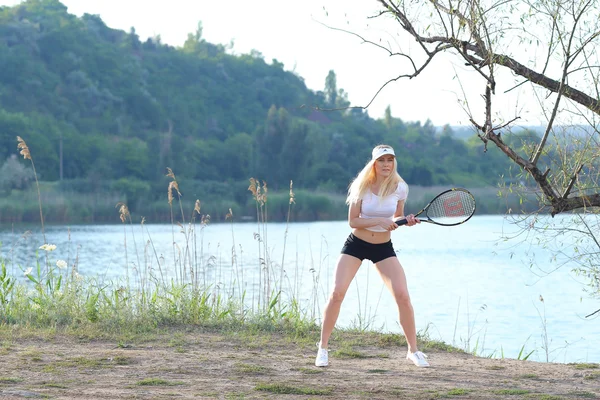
{"type": "Point", "coordinates": [486, 56]}
{"type": "Point", "coordinates": [571, 182]}
{"type": "Point", "coordinates": [595, 312]}
{"type": "Point", "coordinates": [479, 55]}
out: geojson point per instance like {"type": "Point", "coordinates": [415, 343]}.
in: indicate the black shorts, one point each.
{"type": "Point", "coordinates": [364, 250]}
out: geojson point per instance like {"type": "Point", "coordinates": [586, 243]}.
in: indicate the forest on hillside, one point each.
{"type": "Point", "coordinates": [105, 114]}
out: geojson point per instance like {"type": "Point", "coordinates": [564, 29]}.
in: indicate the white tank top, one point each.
{"type": "Point", "coordinates": [373, 206]}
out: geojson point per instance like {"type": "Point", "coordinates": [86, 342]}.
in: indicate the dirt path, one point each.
{"type": "Point", "coordinates": [212, 366]}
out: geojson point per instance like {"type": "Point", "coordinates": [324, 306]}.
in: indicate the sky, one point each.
{"type": "Point", "coordinates": [295, 33]}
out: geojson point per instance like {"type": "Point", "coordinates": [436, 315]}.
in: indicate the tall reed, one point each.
{"type": "Point", "coordinates": [24, 151]}
{"type": "Point", "coordinates": [195, 272]}
{"type": "Point", "coordinates": [123, 214]}
{"type": "Point", "coordinates": [260, 199]}
{"type": "Point", "coordinates": [287, 226]}
{"type": "Point", "coordinates": [271, 290]}
{"type": "Point", "coordinates": [234, 259]}
{"type": "Point", "coordinates": [173, 185]}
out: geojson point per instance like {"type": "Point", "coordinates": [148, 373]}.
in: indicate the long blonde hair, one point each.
{"type": "Point", "coordinates": [367, 177]}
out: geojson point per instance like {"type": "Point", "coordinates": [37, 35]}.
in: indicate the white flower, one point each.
{"type": "Point", "coordinates": [28, 271]}
{"type": "Point", "coordinates": [35, 306]}
{"type": "Point", "coordinates": [62, 264]}
{"type": "Point", "coordinates": [78, 277]}
{"type": "Point", "coordinates": [48, 247]}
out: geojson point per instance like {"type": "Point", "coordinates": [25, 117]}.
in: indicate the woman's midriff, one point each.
{"type": "Point", "coordinates": [372, 237]}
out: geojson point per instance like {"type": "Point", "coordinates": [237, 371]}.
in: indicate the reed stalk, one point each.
{"type": "Point", "coordinates": [254, 188]}
{"type": "Point", "coordinates": [234, 261]}
{"type": "Point", "coordinates": [123, 213]}
{"type": "Point", "coordinates": [24, 151]}
{"type": "Point", "coordinates": [173, 186]}
{"type": "Point", "coordinates": [194, 274]}
{"type": "Point", "coordinates": [287, 225]}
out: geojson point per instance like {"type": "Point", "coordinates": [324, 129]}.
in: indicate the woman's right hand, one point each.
{"type": "Point", "coordinates": [387, 224]}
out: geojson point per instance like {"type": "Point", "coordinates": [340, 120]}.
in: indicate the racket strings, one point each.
{"type": "Point", "coordinates": [456, 204]}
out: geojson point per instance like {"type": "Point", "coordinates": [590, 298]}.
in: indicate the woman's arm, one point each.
{"type": "Point", "coordinates": [355, 221]}
{"type": "Point", "coordinates": [411, 220]}
{"type": "Point", "coordinates": [399, 210]}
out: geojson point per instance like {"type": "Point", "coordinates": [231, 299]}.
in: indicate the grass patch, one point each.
{"type": "Point", "coordinates": [280, 388]}
{"type": "Point", "coordinates": [32, 354]}
{"type": "Point", "coordinates": [349, 353]}
{"type": "Point", "coordinates": [377, 371]}
{"type": "Point", "coordinates": [123, 360]}
{"type": "Point", "coordinates": [398, 392]}
{"type": "Point", "coordinates": [82, 362]}
{"type": "Point", "coordinates": [511, 392]}
{"type": "Point", "coordinates": [55, 385]}
{"type": "Point", "coordinates": [391, 340]}
{"type": "Point", "coordinates": [592, 376]}
{"type": "Point", "coordinates": [309, 371]}
{"type": "Point", "coordinates": [361, 393]}
{"type": "Point", "coordinates": [177, 341]}
{"type": "Point", "coordinates": [251, 369]}
{"type": "Point", "coordinates": [208, 394]}
{"type": "Point", "coordinates": [5, 348]}
{"type": "Point", "coordinates": [495, 367]}
{"type": "Point", "coordinates": [235, 396]}
{"type": "Point", "coordinates": [5, 380]}
{"type": "Point", "coordinates": [253, 340]}
{"type": "Point", "coordinates": [585, 365]}
{"type": "Point", "coordinates": [584, 395]}
{"type": "Point", "coordinates": [252, 332]}
{"type": "Point", "coordinates": [388, 340]}
{"type": "Point", "coordinates": [50, 369]}
{"type": "Point", "coordinates": [458, 392]}
{"type": "Point", "coordinates": [427, 344]}
{"type": "Point", "coordinates": [157, 382]}
{"type": "Point", "coordinates": [545, 397]}
{"type": "Point", "coordinates": [529, 376]}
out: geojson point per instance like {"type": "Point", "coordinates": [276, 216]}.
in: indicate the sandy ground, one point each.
{"type": "Point", "coordinates": [213, 366]}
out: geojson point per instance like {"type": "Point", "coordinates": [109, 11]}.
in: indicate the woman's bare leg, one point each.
{"type": "Point", "coordinates": [345, 270]}
{"type": "Point", "coordinates": [394, 278]}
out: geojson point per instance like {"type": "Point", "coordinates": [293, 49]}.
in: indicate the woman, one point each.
{"type": "Point", "coordinates": [376, 198]}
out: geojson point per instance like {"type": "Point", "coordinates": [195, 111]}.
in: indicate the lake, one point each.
{"type": "Point", "coordinates": [468, 289]}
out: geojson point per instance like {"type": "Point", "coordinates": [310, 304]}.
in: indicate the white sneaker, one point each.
{"type": "Point", "coordinates": [418, 358]}
{"type": "Point", "coordinates": [322, 359]}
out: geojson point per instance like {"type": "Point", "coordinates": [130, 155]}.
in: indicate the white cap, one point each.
{"type": "Point", "coordinates": [381, 151]}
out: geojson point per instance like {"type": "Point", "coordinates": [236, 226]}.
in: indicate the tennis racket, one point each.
{"type": "Point", "coordinates": [452, 207]}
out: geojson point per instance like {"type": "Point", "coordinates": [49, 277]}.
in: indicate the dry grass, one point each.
{"type": "Point", "coordinates": [218, 365]}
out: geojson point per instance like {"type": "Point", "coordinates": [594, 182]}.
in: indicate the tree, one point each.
{"type": "Point", "coordinates": [292, 160]}
{"type": "Point", "coordinates": [14, 175]}
{"type": "Point", "coordinates": [194, 40]}
{"type": "Point", "coordinates": [331, 89]}
{"type": "Point", "coordinates": [499, 41]}
{"type": "Point", "coordinates": [388, 118]}
{"type": "Point", "coordinates": [479, 34]}
{"type": "Point", "coordinates": [269, 143]}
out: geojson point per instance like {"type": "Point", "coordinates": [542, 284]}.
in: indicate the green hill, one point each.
{"type": "Point", "coordinates": [105, 113]}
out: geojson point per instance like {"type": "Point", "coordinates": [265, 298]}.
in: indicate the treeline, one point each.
{"type": "Point", "coordinates": [104, 114]}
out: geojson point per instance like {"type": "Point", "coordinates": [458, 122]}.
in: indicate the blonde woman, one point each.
{"type": "Point", "coordinates": [375, 198]}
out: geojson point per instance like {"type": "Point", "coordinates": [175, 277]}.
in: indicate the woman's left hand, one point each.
{"type": "Point", "coordinates": [412, 220]}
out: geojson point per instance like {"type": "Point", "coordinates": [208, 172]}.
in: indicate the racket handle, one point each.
{"type": "Point", "coordinates": [402, 221]}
